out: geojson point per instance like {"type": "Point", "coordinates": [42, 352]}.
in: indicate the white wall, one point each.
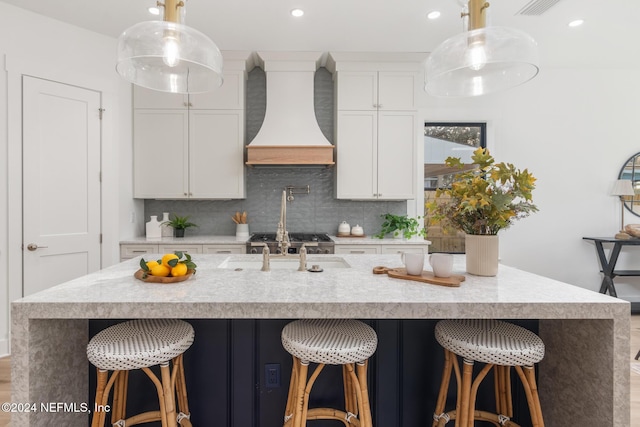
{"type": "Point", "coordinates": [37, 45]}
{"type": "Point", "coordinates": [573, 129]}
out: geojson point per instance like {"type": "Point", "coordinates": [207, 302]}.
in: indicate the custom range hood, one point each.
{"type": "Point", "coordinates": [290, 134]}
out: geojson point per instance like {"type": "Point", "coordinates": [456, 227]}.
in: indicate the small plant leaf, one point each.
{"type": "Point", "coordinates": [143, 265]}
{"type": "Point", "coordinates": [178, 254]}
{"type": "Point", "coordinates": [173, 262]}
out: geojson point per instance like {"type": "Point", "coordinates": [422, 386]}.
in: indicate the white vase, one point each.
{"type": "Point", "coordinates": [481, 254]}
{"type": "Point", "coordinates": [167, 230]}
{"type": "Point", "coordinates": [153, 229]}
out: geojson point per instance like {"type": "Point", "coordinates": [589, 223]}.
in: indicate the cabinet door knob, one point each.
{"type": "Point", "coordinates": [185, 104]}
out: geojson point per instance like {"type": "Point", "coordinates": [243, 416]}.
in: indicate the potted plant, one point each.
{"type": "Point", "coordinates": [481, 202]}
{"type": "Point", "coordinates": [399, 226]}
{"type": "Point", "coordinates": [179, 224]}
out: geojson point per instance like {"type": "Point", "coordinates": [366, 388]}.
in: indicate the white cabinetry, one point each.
{"type": "Point", "coordinates": [191, 146]}
{"type": "Point", "coordinates": [376, 128]}
{"type": "Point", "coordinates": [381, 249]}
{"type": "Point", "coordinates": [132, 250]}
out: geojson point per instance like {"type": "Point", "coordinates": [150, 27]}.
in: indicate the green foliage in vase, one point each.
{"type": "Point", "coordinates": [486, 199]}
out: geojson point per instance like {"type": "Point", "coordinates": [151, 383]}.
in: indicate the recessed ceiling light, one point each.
{"type": "Point", "coordinates": [576, 22]}
{"type": "Point", "coordinates": [297, 12]}
{"type": "Point", "coordinates": [154, 10]}
{"type": "Point", "coordinates": [434, 14]}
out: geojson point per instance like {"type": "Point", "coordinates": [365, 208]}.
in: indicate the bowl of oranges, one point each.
{"type": "Point", "coordinates": [171, 268]}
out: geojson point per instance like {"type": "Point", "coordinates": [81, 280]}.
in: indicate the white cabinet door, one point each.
{"type": "Point", "coordinates": [375, 155]}
{"type": "Point", "coordinates": [357, 90]}
{"type": "Point", "coordinates": [216, 144]}
{"type": "Point", "coordinates": [396, 154]}
{"type": "Point", "coordinates": [398, 249]}
{"type": "Point", "coordinates": [376, 135]}
{"type": "Point", "coordinates": [223, 249]}
{"type": "Point", "coordinates": [190, 249]}
{"type": "Point", "coordinates": [373, 90]}
{"type": "Point", "coordinates": [153, 99]}
{"type": "Point", "coordinates": [229, 96]}
{"type": "Point", "coordinates": [160, 154]}
{"type": "Point", "coordinates": [356, 155]}
{"type": "Point", "coordinates": [132, 251]}
{"type": "Point", "coordinates": [357, 249]}
{"type": "Point", "coordinates": [396, 91]}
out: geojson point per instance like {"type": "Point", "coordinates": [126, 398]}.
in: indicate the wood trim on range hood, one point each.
{"type": "Point", "coordinates": [290, 155]}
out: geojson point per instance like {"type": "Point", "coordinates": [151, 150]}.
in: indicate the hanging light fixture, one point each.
{"type": "Point", "coordinates": [168, 56]}
{"type": "Point", "coordinates": [482, 59]}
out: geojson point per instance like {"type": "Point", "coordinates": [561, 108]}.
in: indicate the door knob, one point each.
{"type": "Point", "coordinates": [34, 246]}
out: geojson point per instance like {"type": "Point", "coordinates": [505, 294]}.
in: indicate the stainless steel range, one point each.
{"type": "Point", "coordinates": [321, 243]}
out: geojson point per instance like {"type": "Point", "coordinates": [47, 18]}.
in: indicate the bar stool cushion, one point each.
{"type": "Point", "coordinates": [139, 344]}
{"type": "Point", "coordinates": [329, 341]}
{"type": "Point", "coordinates": [490, 341]}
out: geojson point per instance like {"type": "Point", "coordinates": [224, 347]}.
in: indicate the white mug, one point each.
{"type": "Point", "coordinates": [413, 262]}
{"type": "Point", "coordinates": [442, 264]}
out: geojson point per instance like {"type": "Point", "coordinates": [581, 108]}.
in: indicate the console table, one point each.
{"type": "Point", "coordinates": [608, 265]}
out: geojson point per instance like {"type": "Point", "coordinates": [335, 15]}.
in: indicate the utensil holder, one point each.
{"type": "Point", "coordinates": [242, 231]}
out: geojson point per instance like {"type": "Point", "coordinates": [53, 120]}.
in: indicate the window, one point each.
{"type": "Point", "coordinates": [442, 140]}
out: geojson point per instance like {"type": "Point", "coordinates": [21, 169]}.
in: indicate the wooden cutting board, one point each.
{"type": "Point", "coordinates": [427, 276]}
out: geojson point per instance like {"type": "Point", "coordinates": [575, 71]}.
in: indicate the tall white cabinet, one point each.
{"type": "Point", "coordinates": [192, 146]}
{"type": "Point", "coordinates": [376, 125]}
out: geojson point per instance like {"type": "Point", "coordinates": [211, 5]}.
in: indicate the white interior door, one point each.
{"type": "Point", "coordinates": [61, 183]}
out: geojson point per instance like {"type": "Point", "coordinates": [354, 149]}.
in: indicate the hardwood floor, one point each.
{"type": "Point", "coordinates": [5, 380]}
{"type": "Point", "coordinates": [5, 388]}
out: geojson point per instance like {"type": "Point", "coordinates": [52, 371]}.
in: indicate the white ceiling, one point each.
{"type": "Point", "coordinates": [605, 40]}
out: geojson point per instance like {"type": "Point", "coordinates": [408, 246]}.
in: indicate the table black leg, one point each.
{"type": "Point", "coordinates": [608, 267]}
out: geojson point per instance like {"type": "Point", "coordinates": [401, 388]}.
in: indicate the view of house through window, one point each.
{"type": "Point", "coordinates": [442, 140]}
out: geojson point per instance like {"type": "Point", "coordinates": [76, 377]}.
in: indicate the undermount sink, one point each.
{"type": "Point", "coordinates": [285, 263]}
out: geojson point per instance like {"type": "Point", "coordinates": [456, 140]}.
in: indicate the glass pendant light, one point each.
{"type": "Point", "coordinates": [482, 60]}
{"type": "Point", "coordinates": [168, 56]}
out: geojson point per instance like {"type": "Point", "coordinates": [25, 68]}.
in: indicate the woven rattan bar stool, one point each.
{"type": "Point", "coordinates": [500, 346]}
{"type": "Point", "coordinates": [349, 343]}
{"type": "Point", "coordinates": [141, 344]}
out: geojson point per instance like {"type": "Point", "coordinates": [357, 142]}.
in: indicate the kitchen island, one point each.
{"type": "Point", "coordinates": [583, 379]}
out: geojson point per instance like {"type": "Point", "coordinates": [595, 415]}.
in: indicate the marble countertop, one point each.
{"type": "Point", "coordinates": [353, 292]}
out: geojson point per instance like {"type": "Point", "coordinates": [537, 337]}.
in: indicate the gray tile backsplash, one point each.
{"type": "Point", "coordinates": [318, 211]}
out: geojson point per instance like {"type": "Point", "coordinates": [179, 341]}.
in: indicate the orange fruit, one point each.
{"type": "Point", "coordinates": [160, 270]}
{"type": "Point", "coordinates": [168, 257]}
{"type": "Point", "coordinates": [179, 270]}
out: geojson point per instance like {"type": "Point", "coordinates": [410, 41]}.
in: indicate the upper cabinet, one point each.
{"type": "Point", "coordinates": [376, 90]}
{"type": "Point", "coordinates": [376, 126]}
{"type": "Point", "coordinates": [191, 146]}
{"type": "Point", "coordinates": [229, 96]}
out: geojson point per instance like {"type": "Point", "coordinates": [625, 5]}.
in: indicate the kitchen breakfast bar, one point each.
{"type": "Point", "coordinates": [583, 378]}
